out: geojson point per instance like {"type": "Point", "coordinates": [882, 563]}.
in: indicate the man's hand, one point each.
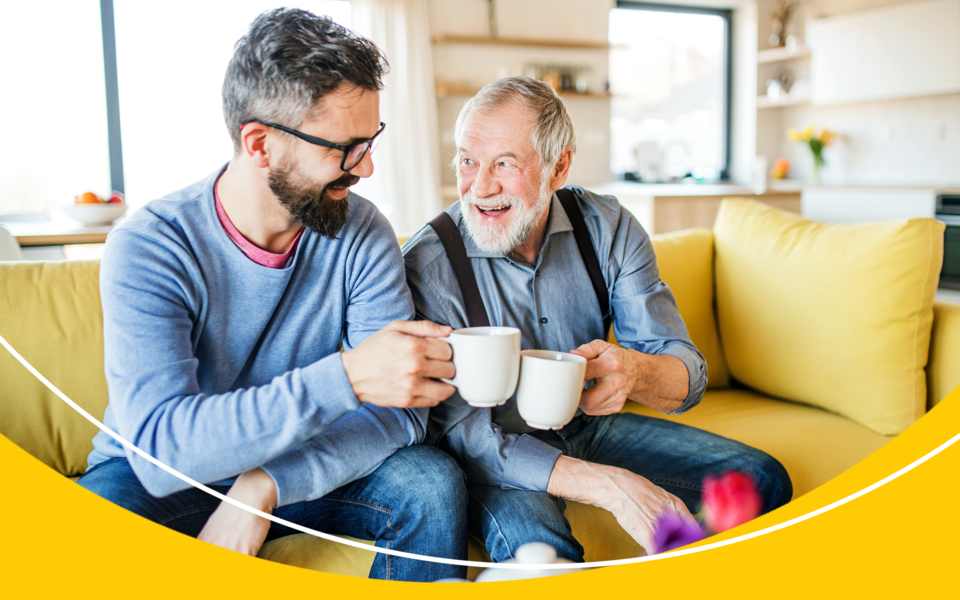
{"type": "Point", "coordinates": [614, 373]}
{"type": "Point", "coordinates": [398, 365]}
{"type": "Point", "coordinates": [634, 501]}
{"type": "Point", "coordinates": [236, 529]}
{"type": "Point", "coordinates": [658, 381]}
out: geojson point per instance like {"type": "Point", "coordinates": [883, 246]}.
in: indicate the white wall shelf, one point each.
{"type": "Point", "coordinates": [447, 89]}
{"type": "Point", "coordinates": [782, 54]}
{"type": "Point", "coordinates": [511, 41]}
{"type": "Point", "coordinates": [764, 102]}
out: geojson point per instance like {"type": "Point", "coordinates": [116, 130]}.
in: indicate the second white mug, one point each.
{"type": "Point", "coordinates": [550, 386]}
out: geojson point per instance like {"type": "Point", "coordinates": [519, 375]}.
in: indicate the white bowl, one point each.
{"type": "Point", "coordinates": [96, 214]}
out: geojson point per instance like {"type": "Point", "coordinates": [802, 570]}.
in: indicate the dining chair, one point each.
{"type": "Point", "coordinates": [9, 248]}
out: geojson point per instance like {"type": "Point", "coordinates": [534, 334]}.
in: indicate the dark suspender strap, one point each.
{"type": "Point", "coordinates": [452, 242]}
{"type": "Point", "coordinates": [587, 252]}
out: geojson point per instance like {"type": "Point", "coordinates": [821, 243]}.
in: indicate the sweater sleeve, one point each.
{"type": "Point", "coordinates": [151, 304]}
{"type": "Point", "coordinates": [361, 440]}
{"type": "Point", "coordinates": [149, 309]}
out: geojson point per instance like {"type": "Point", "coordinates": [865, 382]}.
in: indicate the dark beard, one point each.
{"type": "Point", "coordinates": [309, 204]}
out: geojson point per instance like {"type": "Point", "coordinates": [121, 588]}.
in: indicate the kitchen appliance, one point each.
{"type": "Point", "coordinates": [948, 212]}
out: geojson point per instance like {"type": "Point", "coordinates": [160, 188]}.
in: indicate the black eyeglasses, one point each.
{"type": "Point", "coordinates": [352, 154]}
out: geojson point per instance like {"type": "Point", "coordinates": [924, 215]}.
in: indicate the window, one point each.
{"type": "Point", "coordinates": [171, 58]}
{"type": "Point", "coordinates": [670, 80]}
{"type": "Point", "coordinates": [53, 105]}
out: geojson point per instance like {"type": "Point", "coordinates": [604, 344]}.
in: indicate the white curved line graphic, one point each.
{"type": "Point", "coordinates": [469, 563]}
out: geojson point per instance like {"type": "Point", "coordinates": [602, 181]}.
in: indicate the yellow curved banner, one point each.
{"type": "Point", "coordinates": [894, 540]}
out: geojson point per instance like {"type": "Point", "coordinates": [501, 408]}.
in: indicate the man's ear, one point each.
{"type": "Point", "coordinates": [253, 140]}
{"type": "Point", "coordinates": [562, 169]}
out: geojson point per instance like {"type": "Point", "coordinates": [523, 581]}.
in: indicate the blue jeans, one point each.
{"type": "Point", "coordinates": [673, 456]}
{"type": "Point", "coordinates": [414, 502]}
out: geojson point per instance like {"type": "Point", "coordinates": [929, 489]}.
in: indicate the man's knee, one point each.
{"type": "Point", "coordinates": [772, 479]}
{"type": "Point", "coordinates": [430, 475]}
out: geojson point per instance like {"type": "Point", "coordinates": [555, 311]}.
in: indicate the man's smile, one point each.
{"type": "Point", "coordinates": [493, 212]}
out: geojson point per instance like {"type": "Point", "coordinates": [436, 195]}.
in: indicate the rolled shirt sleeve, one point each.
{"type": "Point", "coordinates": [645, 313]}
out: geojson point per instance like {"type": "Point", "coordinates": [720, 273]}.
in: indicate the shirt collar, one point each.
{"type": "Point", "coordinates": [557, 222]}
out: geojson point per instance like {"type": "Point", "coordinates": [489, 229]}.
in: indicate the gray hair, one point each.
{"type": "Point", "coordinates": [553, 129]}
{"type": "Point", "coordinates": [287, 61]}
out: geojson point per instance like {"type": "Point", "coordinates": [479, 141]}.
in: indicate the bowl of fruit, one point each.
{"type": "Point", "coordinates": [91, 209]}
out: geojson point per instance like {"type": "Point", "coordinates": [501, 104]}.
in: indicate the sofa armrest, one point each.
{"type": "Point", "coordinates": [943, 366]}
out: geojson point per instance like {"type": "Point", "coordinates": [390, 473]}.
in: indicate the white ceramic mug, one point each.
{"type": "Point", "coordinates": [550, 387]}
{"type": "Point", "coordinates": [488, 364]}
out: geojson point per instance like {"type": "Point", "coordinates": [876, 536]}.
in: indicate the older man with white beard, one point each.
{"type": "Point", "coordinates": [561, 265]}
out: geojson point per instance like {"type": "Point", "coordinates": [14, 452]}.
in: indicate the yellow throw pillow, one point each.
{"type": "Point", "coordinates": [685, 260]}
{"type": "Point", "coordinates": [50, 313]}
{"type": "Point", "coordinates": [836, 316]}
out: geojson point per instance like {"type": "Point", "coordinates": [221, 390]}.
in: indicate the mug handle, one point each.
{"type": "Point", "coordinates": [453, 381]}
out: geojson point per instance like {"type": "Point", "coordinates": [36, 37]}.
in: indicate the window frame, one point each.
{"type": "Point", "coordinates": [727, 15]}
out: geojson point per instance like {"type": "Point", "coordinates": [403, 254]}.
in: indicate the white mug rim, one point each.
{"type": "Point", "coordinates": [487, 331]}
{"type": "Point", "coordinates": [552, 356]}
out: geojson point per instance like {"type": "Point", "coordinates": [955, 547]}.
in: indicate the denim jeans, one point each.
{"type": "Point", "coordinates": [673, 456]}
{"type": "Point", "coordinates": [414, 502]}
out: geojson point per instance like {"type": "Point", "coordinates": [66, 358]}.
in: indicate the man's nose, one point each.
{"type": "Point", "coordinates": [485, 184]}
{"type": "Point", "coordinates": [365, 167]}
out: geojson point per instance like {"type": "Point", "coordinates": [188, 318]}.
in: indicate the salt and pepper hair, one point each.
{"type": "Point", "coordinates": [287, 61]}
{"type": "Point", "coordinates": [552, 131]}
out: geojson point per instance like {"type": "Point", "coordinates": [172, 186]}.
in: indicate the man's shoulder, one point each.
{"type": "Point", "coordinates": [424, 248]}
{"type": "Point", "coordinates": [604, 208]}
{"type": "Point", "coordinates": [169, 220]}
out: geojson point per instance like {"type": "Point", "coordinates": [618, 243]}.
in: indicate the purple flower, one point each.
{"type": "Point", "coordinates": [673, 532]}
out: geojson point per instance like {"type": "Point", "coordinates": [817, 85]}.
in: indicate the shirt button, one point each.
{"type": "Point", "coordinates": [544, 320]}
{"type": "Point", "coordinates": [536, 273]}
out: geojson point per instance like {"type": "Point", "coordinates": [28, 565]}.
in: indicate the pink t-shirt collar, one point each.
{"type": "Point", "coordinates": [254, 253]}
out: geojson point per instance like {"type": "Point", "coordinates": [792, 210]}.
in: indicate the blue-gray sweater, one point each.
{"type": "Point", "coordinates": [216, 365]}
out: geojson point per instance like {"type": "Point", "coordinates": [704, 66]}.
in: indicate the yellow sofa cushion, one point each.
{"type": "Point", "coordinates": [943, 370]}
{"type": "Point", "coordinates": [813, 445]}
{"type": "Point", "coordinates": [685, 260]}
{"type": "Point", "coordinates": [50, 313]}
{"type": "Point", "coordinates": [837, 316]}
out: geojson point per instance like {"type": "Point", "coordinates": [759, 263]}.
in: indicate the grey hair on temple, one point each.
{"type": "Point", "coordinates": [552, 131]}
{"type": "Point", "coordinates": [287, 61]}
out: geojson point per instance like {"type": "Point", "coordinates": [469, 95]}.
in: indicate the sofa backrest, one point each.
{"type": "Point", "coordinates": [50, 313]}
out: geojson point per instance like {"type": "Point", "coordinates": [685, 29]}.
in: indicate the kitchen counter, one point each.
{"type": "Point", "coordinates": [665, 207]}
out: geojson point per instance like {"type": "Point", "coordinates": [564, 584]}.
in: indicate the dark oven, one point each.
{"type": "Point", "coordinates": [948, 211]}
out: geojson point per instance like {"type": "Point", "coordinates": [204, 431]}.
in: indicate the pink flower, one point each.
{"type": "Point", "coordinates": [730, 500]}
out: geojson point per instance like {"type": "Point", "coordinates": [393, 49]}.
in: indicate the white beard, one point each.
{"type": "Point", "coordinates": [503, 238]}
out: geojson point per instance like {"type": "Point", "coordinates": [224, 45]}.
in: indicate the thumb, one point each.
{"type": "Point", "coordinates": [592, 350]}
{"type": "Point", "coordinates": [423, 329]}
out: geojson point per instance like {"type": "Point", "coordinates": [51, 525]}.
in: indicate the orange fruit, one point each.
{"type": "Point", "coordinates": [89, 198]}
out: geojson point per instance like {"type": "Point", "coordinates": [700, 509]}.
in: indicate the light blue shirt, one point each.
{"type": "Point", "coordinates": [554, 306]}
{"type": "Point", "coordinates": [216, 364]}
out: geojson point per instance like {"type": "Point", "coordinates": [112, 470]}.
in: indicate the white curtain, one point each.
{"type": "Point", "coordinates": [406, 180]}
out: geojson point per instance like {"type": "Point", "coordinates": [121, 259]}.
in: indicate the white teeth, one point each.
{"type": "Point", "coordinates": [486, 208]}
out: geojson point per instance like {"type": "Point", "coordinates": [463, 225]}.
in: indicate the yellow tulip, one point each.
{"type": "Point", "coordinates": [794, 135]}
{"type": "Point", "coordinates": [807, 133]}
{"type": "Point", "coordinates": [827, 137]}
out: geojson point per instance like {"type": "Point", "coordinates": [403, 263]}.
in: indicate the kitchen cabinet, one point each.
{"type": "Point", "coordinates": [900, 51]}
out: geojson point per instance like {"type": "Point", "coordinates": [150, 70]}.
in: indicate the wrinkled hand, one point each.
{"type": "Point", "coordinates": [614, 373]}
{"type": "Point", "coordinates": [236, 529]}
{"type": "Point", "coordinates": [398, 365]}
{"type": "Point", "coordinates": [636, 503]}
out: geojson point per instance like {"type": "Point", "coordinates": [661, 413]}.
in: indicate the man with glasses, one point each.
{"type": "Point", "coordinates": [226, 305]}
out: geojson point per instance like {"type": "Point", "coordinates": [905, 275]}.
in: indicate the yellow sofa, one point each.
{"type": "Point", "coordinates": [50, 312]}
